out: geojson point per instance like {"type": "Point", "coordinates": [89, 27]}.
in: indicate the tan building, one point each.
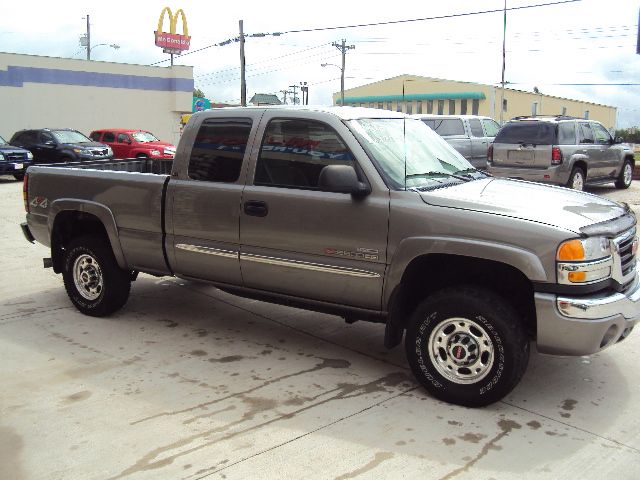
{"type": "Point", "coordinates": [39, 92]}
{"type": "Point", "coordinates": [413, 94]}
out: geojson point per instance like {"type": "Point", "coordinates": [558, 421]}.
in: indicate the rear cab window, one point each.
{"type": "Point", "coordinates": [491, 128]}
{"type": "Point", "coordinates": [218, 150]}
{"type": "Point", "coordinates": [447, 127]}
{"type": "Point", "coordinates": [108, 137]}
{"type": "Point", "coordinates": [476, 127]}
{"type": "Point", "coordinates": [530, 133]}
{"type": "Point", "coordinates": [294, 151]}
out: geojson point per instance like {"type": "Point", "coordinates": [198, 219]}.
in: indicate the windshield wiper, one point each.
{"type": "Point", "coordinates": [438, 174]}
{"type": "Point", "coordinates": [470, 171]}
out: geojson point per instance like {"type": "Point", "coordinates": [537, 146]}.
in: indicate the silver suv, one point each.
{"type": "Point", "coordinates": [470, 135]}
{"type": "Point", "coordinates": [561, 150]}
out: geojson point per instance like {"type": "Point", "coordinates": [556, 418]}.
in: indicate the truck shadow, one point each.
{"type": "Point", "coordinates": [213, 370]}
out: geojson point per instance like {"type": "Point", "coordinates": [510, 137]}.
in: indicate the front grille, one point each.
{"type": "Point", "coordinates": [99, 153]}
{"type": "Point", "coordinates": [15, 156]}
{"type": "Point", "coordinates": [627, 256]}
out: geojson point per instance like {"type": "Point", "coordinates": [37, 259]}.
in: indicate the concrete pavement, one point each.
{"type": "Point", "coordinates": [187, 382]}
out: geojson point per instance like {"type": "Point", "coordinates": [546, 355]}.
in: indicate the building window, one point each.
{"type": "Point", "coordinates": [409, 107]}
{"type": "Point", "coordinates": [564, 111]}
{"type": "Point", "coordinates": [452, 107]}
{"type": "Point", "coordinates": [534, 108]}
{"type": "Point", "coordinates": [475, 108]}
{"type": "Point", "coordinates": [419, 106]}
{"type": "Point", "coordinates": [389, 105]}
{"type": "Point", "coordinates": [398, 107]}
{"type": "Point", "coordinates": [380, 105]}
{"type": "Point", "coordinates": [430, 106]}
{"type": "Point", "coordinates": [504, 104]}
{"type": "Point", "coordinates": [586, 114]}
{"type": "Point", "coordinates": [440, 107]}
{"type": "Point", "coordinates": [372, 105]}
{"type": "Point", "coordinates": [463, 106]}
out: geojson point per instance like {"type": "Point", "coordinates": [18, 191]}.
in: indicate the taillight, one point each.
{"type": "Point", "coordinates": [25, 192]}
{"type": "Point", "coordinates": [556, 156]}
{"type": "Point", "coordinates": [490, 153]}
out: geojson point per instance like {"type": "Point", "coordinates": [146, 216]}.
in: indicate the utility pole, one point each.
{"type": "Point", "coordinates": [305, 93]}
{"type": "Point", "coordinates": [504, 60]}
{"type": "Point", "coordinates": [243, 84]}
{"type": "Point", "coordinates": [295, 93]}
{"type": "Point", "coordinates": [88, 38]}
{"type": "Point", "coordinates": [343, 49]}
{"type": "Point", "coordinates": [284, 96]}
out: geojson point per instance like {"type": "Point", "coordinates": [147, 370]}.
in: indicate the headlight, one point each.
{"type": "Point", "coordinates": [78, 150]}
{"type": "Point", "coordinates": [584, 261]}
{"type": "Point", "coordinates": [30, 155]}
{"type": "Point", "coordinates": [1, 156]}
{"type": "Point", "coordinates": [109, 151]}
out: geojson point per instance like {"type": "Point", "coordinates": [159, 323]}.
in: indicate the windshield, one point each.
{"type": "Point", "coordinates": [2, 141]}
{"type": "Point", "coordinates": [390, 141]}
{"type": "Point", "coordinates": [69, 136]}
{"type": "Point", "coordinates": [144, 137]}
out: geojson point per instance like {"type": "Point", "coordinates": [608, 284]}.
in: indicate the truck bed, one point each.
{"type": "Point", "coordinates": [139, 165]}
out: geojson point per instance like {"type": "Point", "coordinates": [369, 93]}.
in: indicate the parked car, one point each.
{"type": "Point", "coordinates": [359, 212]}
{"type": "Point", "coordinates": [468, 134]}
{"type": "Point", "coordinates": [561, 150]}
{"type": "Point", "coordinates": [13, 160]}
{"type": "Point", "coordinates": [134, 143]}
{"type": "Point", "coordinates": [49, 145]}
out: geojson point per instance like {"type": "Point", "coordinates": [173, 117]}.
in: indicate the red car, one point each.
{"type": "Point", "coordinates": [133, 143]}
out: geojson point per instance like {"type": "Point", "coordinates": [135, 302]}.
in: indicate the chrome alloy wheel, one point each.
{"type": "Point", "coordinates": [627, 173]}
{"type": "Point", "coordinates": [578, 181]}
{"type": "Point", "coordinates": [87, 276]}
{"type": "Point", "coordinates": [461, 350]}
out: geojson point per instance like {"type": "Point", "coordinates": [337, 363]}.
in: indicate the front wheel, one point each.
{"type": "Point", "coordinates": [467, 346]}
{"type": "Point", "coordinates": [626, 175]}
{"type": "Point", "coordinates": [95, 283]}
{"type": "Point", "coordinates": [19, 176]}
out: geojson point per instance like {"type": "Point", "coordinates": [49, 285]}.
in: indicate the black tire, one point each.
{"type": "Point", "coordinates": [467, 327]}
{"type": "Point", "coordinates": [577, 179]}
{"type": "Point", "coordinates": [626, 175]}
{"type": "Point", "coordinates": [19, 176]}
{"type": "Point", "coordinates": [95, 283]}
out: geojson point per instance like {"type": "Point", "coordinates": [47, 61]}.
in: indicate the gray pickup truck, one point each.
{"type": "Point", "coordinates": [362, 213]}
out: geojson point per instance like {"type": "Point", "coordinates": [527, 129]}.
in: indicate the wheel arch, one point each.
{"type": "Point", "coordinates": [453, 270]}
{"type": "Point", "coordinates": [70, 219]}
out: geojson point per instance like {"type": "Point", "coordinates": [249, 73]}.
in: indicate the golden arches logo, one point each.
{"type": "Point", "coordinates": [173, 21]}
{"type": "Point", "coordinates": [171, 41]}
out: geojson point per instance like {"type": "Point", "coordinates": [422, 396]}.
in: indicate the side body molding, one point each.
{"type": "Point", "coordinates": [411, 248]}
{"type": "Point", "coordinates": [102, 212]}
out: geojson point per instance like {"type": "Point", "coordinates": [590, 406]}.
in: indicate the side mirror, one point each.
{"type": "Point", "coordinates": [49, 143]}
{"type": "Point", "coordinates": [129, 141]}
{"type": "Point", "coordinates": [618, 140]}
{"type": "Point", "coordinates": [342, 179]}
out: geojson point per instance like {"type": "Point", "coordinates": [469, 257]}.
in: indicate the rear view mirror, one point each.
{"type": "Point", "coordinates": [619, 140]}
{"type": "Point", "coordinates": [342, 179]}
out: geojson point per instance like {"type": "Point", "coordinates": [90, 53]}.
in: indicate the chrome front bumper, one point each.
{"type": "Point", "coordinates": [582, 326]}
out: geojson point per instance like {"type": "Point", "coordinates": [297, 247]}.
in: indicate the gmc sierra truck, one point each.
{"type": "Point", "coordinates": [362, 213]}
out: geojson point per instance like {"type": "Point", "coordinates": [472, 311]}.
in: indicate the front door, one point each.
{"type": "Point", "coordinates": [303, 242]}
{"type": "Point", "coordinates": [204, 200]}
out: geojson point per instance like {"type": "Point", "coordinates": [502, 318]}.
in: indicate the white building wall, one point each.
{"type": "Point", "coordinates": [39, 92]}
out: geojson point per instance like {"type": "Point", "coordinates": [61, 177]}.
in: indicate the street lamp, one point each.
{"type": "Point", "coordinates": [341, 80]}
{"type": "Point", "coordinates": [112, 45]}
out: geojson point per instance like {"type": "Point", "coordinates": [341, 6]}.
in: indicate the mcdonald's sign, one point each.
{"type": "Point", "coordinates": [173, 42]}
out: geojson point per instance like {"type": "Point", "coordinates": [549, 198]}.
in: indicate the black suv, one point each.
{"type": "Point", "coordinates": [60, 145]}
{"type": "Point", "coordinates": [562, 150]}
{"type": "Point", "coordinates": [13, 160]}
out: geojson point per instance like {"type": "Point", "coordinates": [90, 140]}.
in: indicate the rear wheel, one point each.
{"type": "Point", "coordinates": [576, 180]}
{"type": "Point", "coordinates": [467, 346]}
{"type": "Point", "coordinates": [626, 175]}
{"type": "Point", "coordinates": [19, 176]}
{"type": "Point", "coordinates": [95, 283]}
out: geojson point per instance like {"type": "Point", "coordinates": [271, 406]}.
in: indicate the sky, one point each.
{"type": "Point", "coordinates": [585, 49]}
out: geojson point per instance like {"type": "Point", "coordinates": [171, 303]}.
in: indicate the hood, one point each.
{"type": "Point", "coordinates": [86, 145]}
{"type": "Point", "coordinates": [6, 148]}
{"type": "Point", "coordinates": [556, 206]}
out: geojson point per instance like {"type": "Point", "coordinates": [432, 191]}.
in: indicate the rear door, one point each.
{"type": "Point", "coordinates": [453, 131]}
{"type": "Point", "coordinates": [588, 147]}
{"type": "Point", "coordinates": [203, 198]}
{"type": "Point", "coordinates": [300, 241]}
{"type": "Point", "coordinates": [122, 145]}
{"type": "Point", "coordinates": [479, 143]}
{"type": "Point", "coordinates": [608, 151]}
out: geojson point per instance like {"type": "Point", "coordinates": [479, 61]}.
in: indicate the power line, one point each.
{"type": "Point", "coordinates": [375, 24]}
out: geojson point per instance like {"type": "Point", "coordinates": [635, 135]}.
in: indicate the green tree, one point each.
{"type": "Point", "coordinates": [198, 93]}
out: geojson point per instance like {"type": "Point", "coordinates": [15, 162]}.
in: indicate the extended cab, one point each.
{"type": "Point", "coordinates": [363, 213]}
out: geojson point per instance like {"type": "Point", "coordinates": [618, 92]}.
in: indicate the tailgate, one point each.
{"type": "Point", "coordinates": [515, 155]}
